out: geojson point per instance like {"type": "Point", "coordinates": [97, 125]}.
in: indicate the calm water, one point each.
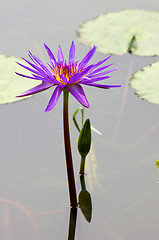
{"type": "Point", "coordinates": [121, 173]}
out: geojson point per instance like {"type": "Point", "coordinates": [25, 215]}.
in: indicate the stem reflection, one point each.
{"type": "Point", "coordinates": [72, 223]}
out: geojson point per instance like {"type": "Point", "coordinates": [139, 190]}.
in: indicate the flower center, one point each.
{"type": "Point", "coordinates": [65, 70]}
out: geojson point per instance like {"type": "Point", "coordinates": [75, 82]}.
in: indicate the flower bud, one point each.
{"type": "Point", "coordinates": [84, 140]}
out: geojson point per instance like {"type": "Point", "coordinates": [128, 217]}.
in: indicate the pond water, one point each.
{"type": "Point", "coordinates": [121, 174]}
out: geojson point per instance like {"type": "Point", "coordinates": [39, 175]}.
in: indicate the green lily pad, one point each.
{"type": "Point", "coordinates": [130, 30]}
{"type": "Point", "coordinates": [146, 82]}
{"type": "Point", "coordinates": [11, 84]}
{"type": "Point", "coordinates": [157, 163]}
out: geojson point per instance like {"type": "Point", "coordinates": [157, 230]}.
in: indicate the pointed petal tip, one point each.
{"type": "Point", "coordinates": [54, 98]}
{"type": "Point", "coordinates": [115, 68]}
{"type": "Point", "coordinates": [72, 44]}
{"type": "Point", "coordinates": [46, 110]}
{"type": "Point", "coordinates": [72, 53]}
{"type": "Point", "coordinates": [114, 86]}
{"type": "Point", "coordinates": [87, 57]}
{"type": "Point", "coordinates": [59, 48]}
{"type": "Point", "coordinates": [77, 92]}
{"type": "Point", "coordinates": [60, 55]}
{"type": "Point", "coordinates": [88, 105]}
{"type": "Point", "coordinates": [45, 46]}
{"type": "Point", "coordinates": [94, 48]}
{"type": "Point", "coordinates": [20, 95]}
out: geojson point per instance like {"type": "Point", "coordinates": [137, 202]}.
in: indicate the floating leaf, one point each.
{"type": "Point", "coordinates": [10, 83]}
{"type": "Point", "coordinates": [130, 30]}
{"type": "Point", "coordinates": [146, 83]}
{"type": "Point", "coordinates": [157, 163]}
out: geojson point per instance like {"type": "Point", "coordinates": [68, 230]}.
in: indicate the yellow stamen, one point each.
{"type": "Point", "coordinates": [67, 71]}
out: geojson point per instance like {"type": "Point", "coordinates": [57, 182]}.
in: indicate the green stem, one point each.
{"type": "Point", "coordinates": [82, 166]}
{"type": "Point", "coordinates": [82, 180]}
{"type": "Point", "coordinates": [68, 153]}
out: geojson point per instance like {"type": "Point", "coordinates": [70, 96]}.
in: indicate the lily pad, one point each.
{"type": "Point", "coordinates": [130, 30]}
{"type": "Point", "coordinates": [146, 82]}
{"type": "Point", "coordinates": [157, 163]}
{"type": "Point", "coordinates": [11, 84]}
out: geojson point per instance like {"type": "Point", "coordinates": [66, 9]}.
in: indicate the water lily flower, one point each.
{"type": "Point", "coordinates": [66, 75]}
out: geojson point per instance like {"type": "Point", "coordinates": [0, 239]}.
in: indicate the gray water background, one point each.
{"type": "Point", "coordinates": [121, 173]}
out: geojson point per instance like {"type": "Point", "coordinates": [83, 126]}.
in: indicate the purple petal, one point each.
{"type": "Point", "coordinates": [63, 78]}
{"type": "Point", "coordinates": [101, 62]}
{"type": "Point", "coordinates": [86, 80]}
{"type": "Point", "coordinates": [35, 77]}
{"type": "Point", "coordinates": [40, 64]}
{"type": "Point", "coordinates": [100, 69]}
{"type": "Point", "coordinates": [46, 79]}
{"type": "Point", "coordinates": [51, 56]}
{"type": "Point", "coordinates": [101, 73]}
{"type": "Point", "coordinates": [77, 76]}
{"type": "Point", "coordinates": [60, 55]}
{"type": "Point", "coordinates": [22, 75]}
{"type": "Point", "coordinates": [77, 91]}
{"type": "Point", "coordinates": [101, 85]}
{"type": "Point", "coordinates": [87, 58]}
{"type": "Point", "coordinates": [28, 68]}
{"type": "Point", "coordinates": [54, 98]}
{"type": "Point", "coordinates": [38, 88]}
{"type": "Point", "coordinates": [41, 71]}
{"type": "Point", "coordinates": [72, 53]}
{"type": "Point", "coordinates": [74, 78]}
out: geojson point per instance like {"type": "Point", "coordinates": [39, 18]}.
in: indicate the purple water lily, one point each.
{"type": "Point", "coordinates": [69, 75]}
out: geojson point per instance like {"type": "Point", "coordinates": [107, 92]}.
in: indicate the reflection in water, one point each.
{"type": "Point", "coordinates": [72, 223]}
{"type": "Point", "coordinates": [84, 146]}
{"type": "Point", "coordinates": [6, 217]}
{"type": "Point", "coordinates": [91, 163]}
{"type": "Point", "coordinates": [85, 202]}
{"type": "Point", "coordinates": [91, 166]}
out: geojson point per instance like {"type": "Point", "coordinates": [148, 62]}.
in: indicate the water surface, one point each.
{"type": "Point", "coordinates": [121, 173]}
